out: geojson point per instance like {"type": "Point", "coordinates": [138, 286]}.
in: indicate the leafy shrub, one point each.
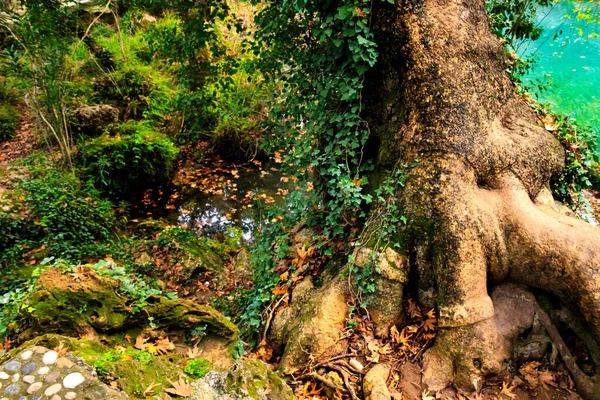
{"type": "Point", "coordinates": [137, 90]}
{"type": "Point", "coordinates": [9, 120]}
{"type": "Point", "coordinates": [582, 162]}
{"type": "Point", "coordinates": [72, 222]}
{"type": "Point", "coordinates": [134, 159]}
{"type": "Point", "coordinates": [197, 367]}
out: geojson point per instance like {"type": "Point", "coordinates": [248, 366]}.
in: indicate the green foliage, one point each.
{"type": "Point", "coordinates": [321, 52]}
{"type": "Point", "coordinates": [71, 221]}
{"type": "Point", "coordinates": [135, 287]}
{"type": "Point", "coordinates": [263, 262]}
{"type": "Point", "coordinates": [9, 120]}
{"type": "Point", "coordinates": [135, 158]}
{"type": "Point", "coordinates": [583, 158]}
{"type": "Point", "coordinates": [197, 367]}
{"type": "Point", "coordinates": [139, 91]}
{"type": "Point", "coordinates": [103, 363]}
{"type": "Point", "coordinates": [514, 20]}
{"type": "Point", "coordinates": [36, 51]}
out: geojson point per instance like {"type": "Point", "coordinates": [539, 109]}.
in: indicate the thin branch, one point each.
{"type": "Point", "coordinates": [89, 28]}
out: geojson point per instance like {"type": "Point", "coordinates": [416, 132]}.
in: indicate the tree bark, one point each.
{"type": "Point", "coordinates": [478, 200]}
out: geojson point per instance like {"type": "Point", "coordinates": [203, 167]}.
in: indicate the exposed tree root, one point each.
{"type": "Point", "coordinates": [587, 387]}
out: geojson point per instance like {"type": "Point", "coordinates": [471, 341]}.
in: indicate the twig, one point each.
{"type": "Point", "coordinates": [89, 28]}
{"type": "Point", "coordinates": [270, 317]}
{"type": "Point", "coordinates": [323, 380]}
{"type": "Point", "coordinates": [120, 34]}
{"type": "Point", "coordinates": [586, 386]}
{"type": "Point", "coordinates": [323, 363]}
{"type": "Point", "coordinates": [346, 379]}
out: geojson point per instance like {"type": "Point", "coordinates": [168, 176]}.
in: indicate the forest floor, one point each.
{"type": "Point", "coordinates": [228, 191]}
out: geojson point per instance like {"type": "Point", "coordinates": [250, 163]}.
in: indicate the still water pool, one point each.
{"type": "Point", "coordinates": [568, 62]}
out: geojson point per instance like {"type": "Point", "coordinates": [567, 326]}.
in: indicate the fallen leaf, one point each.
{"type": "Point", "coordinates": [194, 353]}
{"type": "Point", "coordinates": [507, 390]}
{"type": "Point", "coordinates": [150, 390]}
{"type": "Point", "coordinates": [547, 379]}
{"type": "Point", "coordinates": [180, 388]}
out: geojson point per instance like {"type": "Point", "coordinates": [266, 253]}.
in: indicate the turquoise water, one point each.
{"type": "Point", "coordinates": [568, 63]}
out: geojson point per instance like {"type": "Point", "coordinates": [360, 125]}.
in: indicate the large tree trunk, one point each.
{"type": "Point", "coordinates": [478, 201]}
{"type": "Point", "coordinates": [479, 207]}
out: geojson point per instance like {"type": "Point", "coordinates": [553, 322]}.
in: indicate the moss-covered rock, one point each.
{"type": "Point", "coordinates": [72, 303]}
{"type": "Point", "coordinates": [126, 368]}
{"type": "Point", "coordinates": [36, 369]}
{"type": "Point", "coordinates": [246, 380]}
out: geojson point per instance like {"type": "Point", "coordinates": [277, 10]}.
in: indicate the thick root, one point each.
{"type": "Point", "coordinates": [466, 355]}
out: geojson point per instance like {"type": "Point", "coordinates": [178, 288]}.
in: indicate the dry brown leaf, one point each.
{"type": "Point", "coordinates": [180, 388]}
{"type": "Point", "coordinates": [61, 349]}
{"type": "Point", "coordinates": [151, 390]}
{"type": "Point", "coordinates": [547, 379]}
{"type": "Point", "coordinates": [164, 345]}
{"type": "Point", "coordinates": [507, 390]}
{"type": "Point", "coordinates": [194, 353]}
{"type": "Point", "coordinates": [279, 290]}
{"type": "Point", "coordinates": [140, 343]}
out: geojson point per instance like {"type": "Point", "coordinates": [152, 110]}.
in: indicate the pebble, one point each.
{"type": "Point", "coordinates": [70, 396]}
{"type": "Point", "coordinates": [34, 387]}
{"type": "Point", "coordinates": [12, 366]}
{"type": "Point", "coordinates": [29, 379]}
{"type": "Point", "coordinates": [13, 388]}
{"type": "Point", "coordinates": [16, 377]}
{"type": "Point", "coordinates": [53, 389]}
{"type": "Point", "coordinates": [38, 397]}
{"type": "Point", "coordinates": [64, 362]}
{"type": "Point", "coordinates": [73, 380]}
{"type": "Point", "coordinates": [26, 355]}
{"type": "Point", "coordinates": [50, 358]}
{"type": "Point", "coordinates": [52, 377]}
{"type": "Point", "coordinates": [55, 397]}
{"type": "Point", "coordinates": [23, 398]}
{"type": "Point", "coordinates": [3, 375]}
{"type": "Point", "coordinates": [43, 370]}
{"type": "Point", "coordinates": [29, 368]}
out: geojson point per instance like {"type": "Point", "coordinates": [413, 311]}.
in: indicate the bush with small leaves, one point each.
{"type": "Point", "coordinates": [9, 120]}
{"type": "Point", "coordinates": [135, 158]}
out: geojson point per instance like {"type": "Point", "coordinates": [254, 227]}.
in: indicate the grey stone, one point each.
{"type": "Point", "coordinates": [13, 388]}
{"type": "Point", "coordinates": [53, 389]}
{"type": "Point", "coordinates": [236, 382]}
{"type": "Point", "coordinates": [50, 358]}
{"type": "Point", "coordinates": [52, 377]}
{"type": "Point", "coordinates": [73, 380]}
{"type": "Point", "coordinates": [29, 368]}
{"type": "Point", "coordinates": [12, 366]}
{"type": "Point", "coordinates": [34, 387]}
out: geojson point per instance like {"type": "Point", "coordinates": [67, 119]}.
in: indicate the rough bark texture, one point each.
{"type": "Point", "coordinates": [478, 200]}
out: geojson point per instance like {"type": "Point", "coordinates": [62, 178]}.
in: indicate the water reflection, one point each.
{"type": "Point", "coordinates": [214, 203]}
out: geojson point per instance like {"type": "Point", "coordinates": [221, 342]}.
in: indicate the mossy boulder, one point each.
{"type": "Point", "coordinates": [78, 302]}
{"type": "Point", "coordinates": [246, 380]}
{"type": "Point", "coordinates": [35, 369]}
{"type": "Point", "coordinates": [93, 120]}
{"type": "Point", "coordinates": [126, 368]}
